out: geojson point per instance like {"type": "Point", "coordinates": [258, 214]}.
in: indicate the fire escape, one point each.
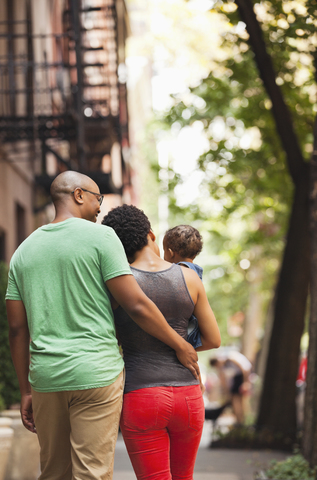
{"type": "Point", "coordinates": [60, 91]}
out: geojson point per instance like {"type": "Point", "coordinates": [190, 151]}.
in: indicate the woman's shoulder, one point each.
{"type": "Point", "coordinates": [191, 278]}
{"type": "Point", "coordinates": [189, 273]}
{"type": "Point", "coordinates": [193, 282]}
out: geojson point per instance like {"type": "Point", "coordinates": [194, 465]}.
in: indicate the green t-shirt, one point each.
{"type": "Point", "coordinates": [59, 272]}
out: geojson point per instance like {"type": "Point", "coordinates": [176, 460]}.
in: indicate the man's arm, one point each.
{"type": "Point", "coordinates": [19, 339]}
{"type": "Point", "coordinates": [144, 312]}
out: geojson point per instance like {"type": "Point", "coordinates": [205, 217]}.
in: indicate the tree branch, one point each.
{"type": "Point", "coordinates": [280, 110]}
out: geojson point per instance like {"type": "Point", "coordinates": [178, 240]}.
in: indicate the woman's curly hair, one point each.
{"type": "Point", "coordinates": [184, 240]}
{"type": "Point", "coordinates": [131, 225]}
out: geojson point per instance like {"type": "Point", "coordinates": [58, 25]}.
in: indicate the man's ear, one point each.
{"type": "Point", "coordinates": [78, 196]}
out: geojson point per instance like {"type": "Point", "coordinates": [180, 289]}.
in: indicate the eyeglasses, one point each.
{"type": "Point", "coordinates": [98, 195]}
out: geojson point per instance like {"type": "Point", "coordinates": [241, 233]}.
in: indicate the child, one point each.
{"type": "Point", "coordinates": [181, 245]}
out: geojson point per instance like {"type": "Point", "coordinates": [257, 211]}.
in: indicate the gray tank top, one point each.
{"type": "Point", "coordinates": [148, 361]}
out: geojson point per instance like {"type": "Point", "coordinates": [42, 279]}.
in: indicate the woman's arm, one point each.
{"type": "Point", "coordinates": [209, 331]}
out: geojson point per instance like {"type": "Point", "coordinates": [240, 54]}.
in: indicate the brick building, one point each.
{"type": "Point", "coordinates": [63, 105]}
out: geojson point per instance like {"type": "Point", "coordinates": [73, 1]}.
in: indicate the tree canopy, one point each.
{"type": "Point", "coordinates": [245, 191]}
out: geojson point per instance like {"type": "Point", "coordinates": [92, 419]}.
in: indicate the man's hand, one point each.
{"type": "Point", "coordinates": [27, 412]}
{"type": "Point", "coordinates": [189, 358]}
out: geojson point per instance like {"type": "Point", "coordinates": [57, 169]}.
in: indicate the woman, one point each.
{"type": "Point", "coordinates": [163, 410]}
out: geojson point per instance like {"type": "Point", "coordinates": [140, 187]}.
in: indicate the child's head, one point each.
{"type": "Point", "coordinates": [182, 242]}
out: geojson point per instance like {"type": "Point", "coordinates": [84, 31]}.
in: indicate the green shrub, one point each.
{"type": "Point", "coordinates": [9, 392]}
{"type": "Point", "coordinates": [293, 468]}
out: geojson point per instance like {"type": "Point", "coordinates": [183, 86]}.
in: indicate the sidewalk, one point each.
{"type": "Point", "coordinates": [211, 464]}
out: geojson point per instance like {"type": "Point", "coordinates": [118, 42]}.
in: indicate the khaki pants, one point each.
{"type": "Point", "coordinates": [77, 432]}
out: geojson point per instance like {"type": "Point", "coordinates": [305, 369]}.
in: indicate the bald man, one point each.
{"type": "Point", "coordinates": [61, 281]}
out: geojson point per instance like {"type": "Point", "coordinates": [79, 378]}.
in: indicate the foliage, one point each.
{"type": "Point", "coordinates": [8, 380]}
{"type": "Point", "coordinates": [245, 191]}
{"type": "Point", "coordinates": [148, 191]}
{"type": "Point", "coordinates": [293, 468]}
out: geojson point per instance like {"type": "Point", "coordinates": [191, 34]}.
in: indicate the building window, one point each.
{"type": "Point", "coordinates": [20, 223]}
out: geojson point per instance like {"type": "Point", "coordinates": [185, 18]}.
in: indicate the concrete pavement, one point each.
{"type": "Point", "coordinates": [211, 464]}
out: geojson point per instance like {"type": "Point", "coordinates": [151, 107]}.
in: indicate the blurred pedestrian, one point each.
{"type": "Point", "coordinates": [301, 390]}
{"type": "Point", "coordinates": [234, 370]}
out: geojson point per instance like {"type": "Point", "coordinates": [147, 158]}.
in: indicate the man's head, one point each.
{"type": "Point", "coordinates": [76, 194]}
{"type": "Point", "coordinates": [182, 242]}
{"type": "Point", "coordinates": [132, 227]}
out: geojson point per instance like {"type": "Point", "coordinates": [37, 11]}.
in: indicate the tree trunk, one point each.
{"type": "Point", "coordinates": [310, 418]}
{"type": "Point", "coordinates": [277, 405]}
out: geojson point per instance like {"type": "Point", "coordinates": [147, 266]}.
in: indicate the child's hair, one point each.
{"type": "Point", "coordinates": [184, 240]}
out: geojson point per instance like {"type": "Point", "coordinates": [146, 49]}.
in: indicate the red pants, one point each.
{"type": "Point", "coordinates": [162, 427]}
